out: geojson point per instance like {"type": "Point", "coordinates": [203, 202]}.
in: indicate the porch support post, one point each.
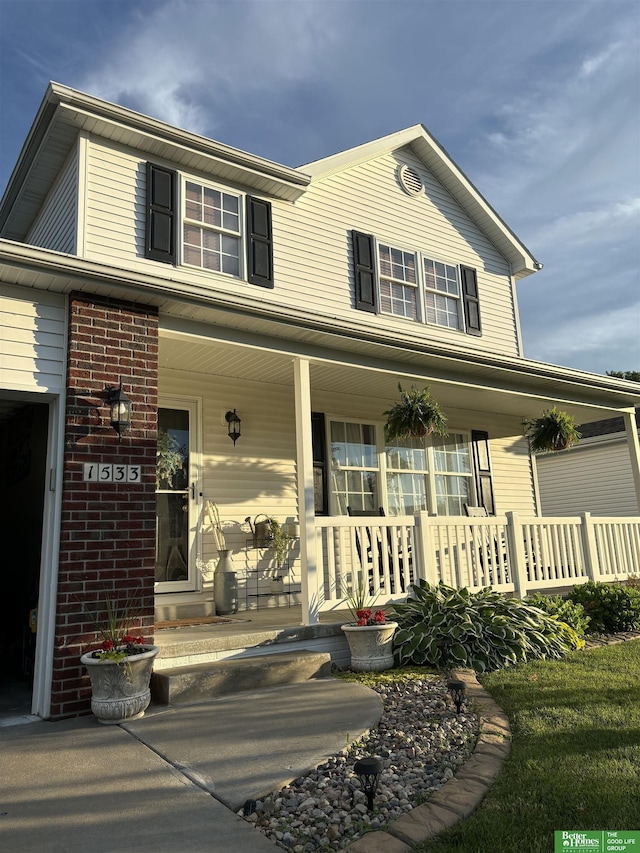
{"type": "Point", "coordinates": [634, 450]}
{"type": "Point", "coordinates": [306, 503]}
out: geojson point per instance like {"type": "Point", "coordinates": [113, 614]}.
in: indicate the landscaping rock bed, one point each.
{"type": "Point", "coordinates": [421, 740]}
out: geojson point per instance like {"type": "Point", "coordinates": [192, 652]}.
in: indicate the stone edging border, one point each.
{"type": "Point", "coordinates": [459, 796]}
{"type": "Point", "coordinates": [462, 795]}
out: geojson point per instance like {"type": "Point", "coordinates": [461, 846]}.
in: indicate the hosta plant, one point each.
{"type": "Point", "coordinates": [610, 607]}
{"type": "Point", "coordinates": [446, 628]}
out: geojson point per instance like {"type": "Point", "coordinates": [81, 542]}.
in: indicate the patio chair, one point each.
{"type": "Point", "coordinates": [403, 555]}
{"type": "Point", "coordinates": [500, 553]}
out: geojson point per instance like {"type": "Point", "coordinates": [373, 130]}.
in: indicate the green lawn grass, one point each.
{"type": "Point", "coordinates": [575, 757]}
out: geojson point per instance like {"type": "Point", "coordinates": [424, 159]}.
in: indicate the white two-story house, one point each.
{"type": "Point", "coordinates": [226, 293]}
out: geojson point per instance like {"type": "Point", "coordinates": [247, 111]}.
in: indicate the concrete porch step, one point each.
{"type": "Point", "coordinates": [186, 684]}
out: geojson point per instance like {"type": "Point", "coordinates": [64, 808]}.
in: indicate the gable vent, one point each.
{"type": "Point", "coordinates": [410, 180]}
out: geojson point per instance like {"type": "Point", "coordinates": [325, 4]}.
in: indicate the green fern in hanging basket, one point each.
{"type": "Point", "coordinates": [552, 431]}
{"type": "Point", "coordinates": [415, 416]}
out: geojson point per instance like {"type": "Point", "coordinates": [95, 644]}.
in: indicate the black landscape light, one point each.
{"type": "Point", "coordinates": [457, 689]}
{"type": "Point", "coordinates": [368, 771]}
{"type": "Point", "coordinates": [119, 409]}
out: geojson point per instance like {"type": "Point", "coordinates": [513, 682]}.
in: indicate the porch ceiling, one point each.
{"type": "Point", "coordinates": [456, 384]}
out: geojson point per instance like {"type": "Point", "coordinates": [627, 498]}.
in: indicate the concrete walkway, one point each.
{"type": "Point", "coordinates": [168, 783]}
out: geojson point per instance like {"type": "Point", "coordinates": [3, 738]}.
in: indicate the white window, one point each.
{"type": "Point", "coordinates": [212, 237]}
{"type": "Point", "coordinates": [442, 294]}
{"type": "Point", "coordinates": [354, 467]}
{"type": "Point", "coordinates": [407, 477]}
{"type": "Point", "coordinates": [452, 474]}
{"type": "Point", "coordinates": [398, 284]}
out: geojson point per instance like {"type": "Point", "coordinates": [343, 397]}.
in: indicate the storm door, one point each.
{"type": "Point", "coordinates": [176, 499]}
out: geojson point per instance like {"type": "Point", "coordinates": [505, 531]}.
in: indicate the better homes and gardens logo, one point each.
{"type": "Point", "coordinates": [609, 841]}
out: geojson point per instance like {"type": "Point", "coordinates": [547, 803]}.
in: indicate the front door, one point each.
{"type": "Point", "coordinates": [176, 498]}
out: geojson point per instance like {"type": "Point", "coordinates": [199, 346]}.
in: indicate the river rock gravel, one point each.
{"type": "Point", "coordinates": [421, 741]}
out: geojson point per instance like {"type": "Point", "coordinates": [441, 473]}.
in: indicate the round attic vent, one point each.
{"type": "Point", "coordinates": [410, 180]}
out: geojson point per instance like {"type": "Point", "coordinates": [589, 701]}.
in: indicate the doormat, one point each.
{"type": "Point", "coordinates": [196, 620]}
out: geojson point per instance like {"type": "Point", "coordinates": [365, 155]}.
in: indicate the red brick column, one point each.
{"type": "Point", "coordinates": [107, 537]}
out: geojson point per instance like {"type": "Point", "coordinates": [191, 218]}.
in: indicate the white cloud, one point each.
{"type": "Point", "coordinates": [184, 60]}
{"type": "Point", "coordinates": [607, 224]}
{"type": "Point", "coordinates": [604, 338]}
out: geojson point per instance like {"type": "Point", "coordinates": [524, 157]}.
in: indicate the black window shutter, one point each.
{"type": "Point", "coordinates": [319, 442]}
{"type": "Point", "coordinates": [470, 301]}
{"type": "Point", "coordinates": [482, 470]}
{"type": "Point", "coordinates": [259, 242]}
{"type": "Point", "coordinates": [161, 214]}
{"type": "Point", "coordinates": [364, 272]}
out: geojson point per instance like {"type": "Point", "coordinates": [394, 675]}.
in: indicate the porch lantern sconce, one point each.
{"type": "Point", "coordinates": [368, 771]}
{"type": "Point", "coordinates": [233, 427]}
{"type": "Point", "coordinates": [457, 692]}
{"type": "Point", "coordinates": [119, 409]}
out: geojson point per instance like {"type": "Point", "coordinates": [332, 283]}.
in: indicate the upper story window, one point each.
{"type": "Point", "coordinates": [211, 229]}
{"type": "Point", "coordinates": [442, 294]}
{"type": "Point", "coordinates": [398, 285]}
{"type": "Point", "coordinates": [221, 231]}
{"type": "Point", "coordinates": [409, 284]}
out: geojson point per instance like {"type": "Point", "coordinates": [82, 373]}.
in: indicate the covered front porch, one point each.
{"type": "Point", "coordinates": [311, 446]}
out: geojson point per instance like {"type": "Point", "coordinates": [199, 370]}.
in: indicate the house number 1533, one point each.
{"type": "Point", "coordinates": [95, 472]}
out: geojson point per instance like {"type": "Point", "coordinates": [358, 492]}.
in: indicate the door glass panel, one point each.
{"type": "Point", "coordinates": [172, 496]}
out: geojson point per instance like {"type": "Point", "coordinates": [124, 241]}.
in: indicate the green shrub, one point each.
{"type": "Point", "coordinates": [562, 609]}
{"type": "Point", "coordinates": [610, 607]}
{"type": "Point", "coordinates": [446, 628]}
{"type": "Point", "coordinates": [633, 581]}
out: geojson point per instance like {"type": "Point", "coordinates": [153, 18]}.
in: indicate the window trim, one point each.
{"type": "Point", "coordinates": [461, 327]}
{"type": "Point", "coordinates": [381, 496]}
{"type": "Point", "coordinates": [184, 220]}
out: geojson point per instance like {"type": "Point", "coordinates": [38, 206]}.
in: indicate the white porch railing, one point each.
{"type": "Point", "coordinates": [514, 554]}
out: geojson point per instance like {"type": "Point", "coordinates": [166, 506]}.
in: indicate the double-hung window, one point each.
{"type": "Point", "coordinates": [354, 467]}
{"type": "Point", "coordinates": [214, 229]}
{"type": "Point", "coordinates": [407, 473]}
{"type": "Point", "coordinates": [414, 285]}
{"type": "Point", "coordinates": [398, 285]}
{"type": "Point", "coordinates": [211, 229]}
{"type": "Point", "coordinates": [442, 294]}
{"type": "Point", "coordinates": [452, 474]}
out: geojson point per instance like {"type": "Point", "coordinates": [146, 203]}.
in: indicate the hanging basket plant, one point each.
{"type": "Point", "coordinates": [416, 415]}
{"type": "Point", "coordinates": [552, 431]}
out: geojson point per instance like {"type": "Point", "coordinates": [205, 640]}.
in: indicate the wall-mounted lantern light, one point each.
{"type": "Point", "coordinates": [456, 689]}
{"type": "Point", "coordinates": [120, 409]}
{"type": "Point", "coordinates": [233, 428]}
{"type": "Point", "coordinates": [368, 771]}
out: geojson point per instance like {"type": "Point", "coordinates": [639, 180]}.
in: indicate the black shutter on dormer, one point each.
{"type": "Point", "coordinates": [259, 242]}
{"type": "Point", "coordinates": [470, 301]}
{"type": "Point", "coordinates": [161, 214]}
{"type": "Point", "coordinates": [364, 272]}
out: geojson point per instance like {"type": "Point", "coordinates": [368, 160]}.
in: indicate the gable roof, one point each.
{"type": "Point", "coordinates": [443, 167]}
{"type": "Point", "coordinates": [65, 112]}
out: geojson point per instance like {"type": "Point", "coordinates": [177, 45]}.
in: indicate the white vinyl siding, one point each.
{"type": "Point", "coordinates": [312, 252]}
{"type": "Point", "coordinates": [55, 226]}
{"type": "Point", "coordinates": [256, 476]}
{"type": "Point", "coordinates": [595, 479]}
{"type": "Point", "coordinates": [312, 243]}
{"type": "Point", "coordinates": [32, 340]}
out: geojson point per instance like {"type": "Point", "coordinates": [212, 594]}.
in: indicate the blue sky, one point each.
{"type": "Point", "coordinates": [538, 101]}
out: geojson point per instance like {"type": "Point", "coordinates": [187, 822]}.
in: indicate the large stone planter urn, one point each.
{"type": "Point", "coordinates": [371, 646]}
{"type": "Point", "coordinates": [120, 690]}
